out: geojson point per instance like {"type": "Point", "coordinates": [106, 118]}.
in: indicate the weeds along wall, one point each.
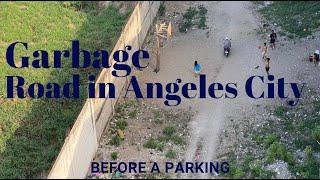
{"type": "Point", "coordinates": [81, 143]}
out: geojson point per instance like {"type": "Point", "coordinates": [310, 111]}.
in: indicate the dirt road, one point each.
{"type": "Point", "coordinates": [237, 21]}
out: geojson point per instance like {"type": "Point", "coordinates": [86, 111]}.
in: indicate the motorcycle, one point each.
{"type": "Point", "coordinates": [226, 51]}
{"type": "Point", "coordinates": [227, 48]}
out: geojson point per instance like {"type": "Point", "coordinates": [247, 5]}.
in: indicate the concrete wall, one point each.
{"type": "Point", "coordinates": [81, 144]}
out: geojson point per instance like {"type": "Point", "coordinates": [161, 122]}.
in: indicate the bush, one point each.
{"type": "Point", "coordinates": [185, 26]}
{"type": "Point", "coordinates": [114, 155]}
{"type": "Point", "coordinates": [202, 10]}
{"type": "Point", "coordinates": [191, 15]}
{"type": "Point", "coordinates": [191, 12]}
{"type": "Point", "coordinates": [202, 23]}
{"type": "Point", "coordinates": [162, 9]}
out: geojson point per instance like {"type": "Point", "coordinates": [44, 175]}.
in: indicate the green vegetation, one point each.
{"type": "Point", "coordinates": [303, 127]}
{"type": "Point", "coordinates": [85, 6]}
{"type": "Point", "coordinates": [126, 109]}
{"type": "Point", "coordinates": [270, 139]}
{"type": "Point", "coordinates": [169, 131]}
{"type": "Point", "coordinates": [310, 167]}
{"type": "Point", "coordinates": [114, 155]}
{"type": "Point", "coordinates": [115, 140]}
{"type": "Point", "coordinates": [202, 12]}
{"type": "Point", "coordinates": [292, 137]}
{"type": "Point", "coordinates": [157, 116]}
{"type": "Point", "coordinates": [280, 111]}
{"type": "Point", "coordinates": [133, 113]}
{"type": "Point", "coordinates": [169, 135]}
{"type": "Point", "coordinates": [280, 152]}
{"type": "Point", "coordinates": [316, 133]}
{"type": "Point", "coordinates": [248, 168]}
{"type": "Point", "coordinates": [171, 154]}
{"type": "Point", "coordinates": [257, 170]}
{"type": "Point", "coordinates": [299, 18]}
{"type": "Point", "coordinates": [122, 124]}
{"type": "Point", "coordinates": [162, 9]}
{"type": "Point", "coordinates": [194, 16]}
{"type": "Point", "coordinates": [154, 144]}
{"type": "Point", "coordinates": [33, 131]}
{"type": "Point", "coordinates": [304, 130]}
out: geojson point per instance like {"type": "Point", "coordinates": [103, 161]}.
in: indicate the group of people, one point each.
{"type": "Point", "coordinates": [273, 38]}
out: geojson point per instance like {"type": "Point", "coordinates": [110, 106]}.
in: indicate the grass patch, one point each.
{"type": "Point", "coordinates": [126, 109]}
{"type": "Point", "coordinates": [33, 131]}
{"type": "Point", "coordinates": [270, 139]}
{"type": "Point", "coordinates": [280, 111]}
{"type": "Point", "coordinates": [178, 140]}
{"type": "Point", "coordinates": [154, 144]}
{"type": "Point", "coordinates": [310, 168]}
{"type": "Point", "coordinates": [171, 154]}
{"type": "Point", "coordinates": [194, 16]}
{"type": "Point", "coordinates": [157, 116]}
{"type": "Point", "coordinates": [115, 141]}
{"type": "Point", "coordinates": [316, 134]}
{"type": "Point", "coordinates": [300, 18]}
{"type": "Point", "coordinates": [300, 129]}
{"type": "Point", "coordinates": [169, 135]}
{"type": "Point", "coordinates": [279, 151]}
{"type": "Point", "coordinates": [133, 113]}
{"type": "Point", "coordinates": [248, 168]}
{"type": "Point", "coordinates": [169, 131]}
{"type": "Point", "coordinates": [162, 9]}
{"type": "Point", "coordinates": [122, 124]}
{"type": "Point", "coordinates": [114, 155]}
{"type": "Point", "coordinates": [257, 170]}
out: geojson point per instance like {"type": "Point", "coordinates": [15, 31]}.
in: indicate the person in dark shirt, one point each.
{"type": "Point", "coordinates": [316, 57]}
{"type": "Point", "coordinates": [273, 38]}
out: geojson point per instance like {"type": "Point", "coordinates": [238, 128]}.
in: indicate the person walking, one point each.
{"type": "Point", "coordinates": [267, 61]}
{"type": "Point", "coordinates": [264, 51]}
{"type": "Point", "coordinates": [316, 57]}
{"type": "Point", "coordinates": [273, 38]}
{"type": "Point", "coordinates": [196, 68]}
